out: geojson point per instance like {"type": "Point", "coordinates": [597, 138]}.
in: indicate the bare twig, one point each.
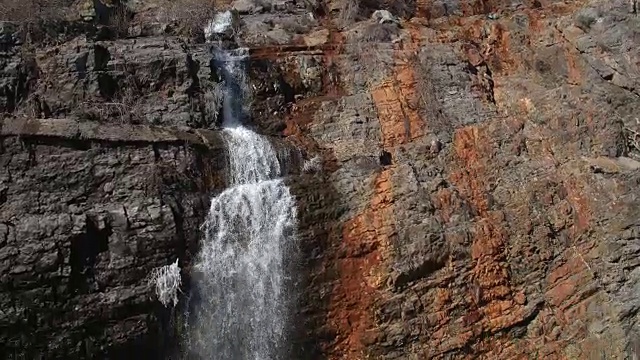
{"type": "Point", "coordinates": [633, 138]}
{"type": "Point", "coordinates": [348, 12]}
{"type": "Point", "coordinates": [190, 16]}
{"type": "Point", "coordinates": [33, 17]}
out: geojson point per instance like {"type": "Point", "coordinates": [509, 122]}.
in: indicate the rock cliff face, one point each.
{"type": "Point", "coordinates": [470, 188]}
{"type": "Point", "coordinates": [88, 210]}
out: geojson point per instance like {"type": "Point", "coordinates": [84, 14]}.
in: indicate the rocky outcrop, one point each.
{"type": "Point", "coordinates": [473, 221]}
{"type": "Point", "coordinates": [475, 195]}
{"type": "Point", "coordinates": [87, 131]}
{"type": "Point", "coordinates": [88, 211]}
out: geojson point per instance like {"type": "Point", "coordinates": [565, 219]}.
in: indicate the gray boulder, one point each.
{"type": "Point", "coordinates": [384, 17]}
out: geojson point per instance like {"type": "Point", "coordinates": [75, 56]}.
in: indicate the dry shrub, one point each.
{"type": "Point", "coordinates": [349, 12]}
{"type": "Point", "coordinates": [585, 18]}
{"type": "Point", "coordinates": [189, 16]}
{"type": "Point", "coordinates": [296, 25]}
{"type": "Point", "coordinates": [380, 33]}
{"type": "Point", "coordinates": [371, 46]}
{"type": "Point", "coordinates": [119, 20]}
{"type": "Point", "coordinates": [428, 104]}
{"type": "Point", "coordinates": [124, 101]}
{"type": "Point", "coordinates": [34, 17]}
{"type": "Point", "coordinates": [131, 94]}
{"type": "Point", "coordinates": [32, 11]}
{"type": "Point", "coordinates": [633, 139]}
{"type": "Point", "coordinates": [167, 281]}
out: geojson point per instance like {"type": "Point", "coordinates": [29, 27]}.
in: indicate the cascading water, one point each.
{"type": "Point", "coordinates": [240, 310]}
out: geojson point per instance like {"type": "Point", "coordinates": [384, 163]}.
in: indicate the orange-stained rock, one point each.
{"type": "Point", "coordinates": [499, 236]}
{"type": "Point", "coordinates": [361, 273]}
{"type": "Point", "coordinates": [474, 194]}
{"type": "Point", "coordinates": [396, 99]}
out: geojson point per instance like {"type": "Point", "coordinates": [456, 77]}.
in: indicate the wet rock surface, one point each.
{"type": "Point", "coordinates": [470, 191]}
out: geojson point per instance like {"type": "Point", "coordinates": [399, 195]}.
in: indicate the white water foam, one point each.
{"type": "Point", "coordinates": [221, 22]}
{"type": "Point", "coordinates": [240, 311]}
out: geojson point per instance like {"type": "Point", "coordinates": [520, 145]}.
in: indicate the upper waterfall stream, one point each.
{"type": "Point", "coordinates": [240, 309]}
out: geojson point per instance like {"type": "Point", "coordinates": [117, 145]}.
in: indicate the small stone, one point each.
{"type": "Point", "coordinates": [279, 36]}
{"type": "Point", "coordinates": [134, 31]}
{"type": "Point", "coordinates": [474, 56]}
{"type": "Point", "coordinates": [435, 146]}
{"type": "Point", "coordinates": [18, 269]}
{"type": "Point", "coordinates": [108, 187]}
{"type": "Point", "coordinates": [384, 17]}
{"type": "Point", "coordinates": [87, 11]}
{"type": "Point", "coordinates": [316, 38]}
{"type": "Point", "coordinates": [246, 6]}
{"type": "Point", "coordinates": [370, 337]}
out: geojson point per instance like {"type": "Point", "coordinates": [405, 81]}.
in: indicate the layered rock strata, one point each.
{"type": "Point", "coordinates": [473, 193]}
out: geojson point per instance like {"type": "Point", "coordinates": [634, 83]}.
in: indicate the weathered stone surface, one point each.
{"type": "Point", "coordinates": [87, 212]}
{"type": "Point", "coordinates": [492, 243]}
{"type": "Point", "coordinates": [476, 195]}
{"type": "Point", "coordinates": [68, 129]}
{"type": "Point", "coordinates": [111, 80]}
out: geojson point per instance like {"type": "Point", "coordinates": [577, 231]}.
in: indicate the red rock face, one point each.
{"type": "Point", "coordinates": [361, 255]}
{"type": "Point", "coordinates": [477, 197]}
{"type": "Point", "coordinates": [396, 101]}
{"type": "Point", "coordinates": [485, 236]}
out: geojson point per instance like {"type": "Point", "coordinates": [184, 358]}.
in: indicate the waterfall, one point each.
{"type": "Point", "coordinates": [240, 308]}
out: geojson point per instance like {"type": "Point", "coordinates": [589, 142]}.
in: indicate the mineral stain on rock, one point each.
{"type": "Point", "coordinates": [474, 192]}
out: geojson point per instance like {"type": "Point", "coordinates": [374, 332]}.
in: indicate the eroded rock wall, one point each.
{"type": "Point", "coordinates": [485, 165]}
{"type": "Point", "coordinates": [88, 211]}
{"type": "Point", "coordinates": [470, 189]}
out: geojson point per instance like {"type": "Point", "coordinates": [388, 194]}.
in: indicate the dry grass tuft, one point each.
{"type": "Point", "coordinates": [371, 46]}
{"type": "Point", "coordinates": [633, 139]}
{"type": "Point", "coordinates": [189, 16]}
{"type": "Point", "coordinates": [349, 13]}
{"type": "Point", "coordinates": [34, 18]}
{"type": "Point", "coordinates": [32, 11]}
{"type": "Point", "coordinates": [380, 33]}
